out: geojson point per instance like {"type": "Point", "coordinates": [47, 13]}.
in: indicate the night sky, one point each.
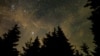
{"type": "Point", "coordinates": [37, 17]}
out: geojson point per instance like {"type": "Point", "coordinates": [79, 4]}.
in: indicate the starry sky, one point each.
{"type": "Point", "coordinates": [37, 17]}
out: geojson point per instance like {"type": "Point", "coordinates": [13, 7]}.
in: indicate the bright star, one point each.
{"type": "Point", "coordinates": [32, 33]}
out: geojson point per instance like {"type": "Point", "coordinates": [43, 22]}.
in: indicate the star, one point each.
{"type": "Point", "coordinates": [32, 33]}
{"type": "Point", "coordinates": [25, 11]}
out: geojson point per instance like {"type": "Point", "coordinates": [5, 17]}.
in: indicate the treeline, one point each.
{"type": "Point", "coordinates": [55, 44]}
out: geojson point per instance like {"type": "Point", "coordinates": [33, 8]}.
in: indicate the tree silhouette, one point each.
{"type": "Point", "coordinates": [85, 49]}
{"type": "Point", "coordinates": [9, 42]}
{"type": "Point", "coordinates": [32, 48]}
{"type": "Point", "coordinates": [95, 4]}
{"type": "Point", "coordinates": [77, 53]}
{"type": "Point", "coordinates": [56, 44]}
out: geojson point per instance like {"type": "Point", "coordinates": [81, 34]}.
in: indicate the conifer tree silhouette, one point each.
{"type": "Point", "coordinates": [32, 48]}
{"type": "Point", "coordinates": [77, 53]}
{"type": "Point", "coordinates": [95, 5]}
{"type": "Point", "coordinates": [85, 49]}
{"type": "Point", "coordinates": [64, 42]}
{"type": "Point", "coordinates": [9, 42]}
{"type": "Point", "coordinates": [56, 44]}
